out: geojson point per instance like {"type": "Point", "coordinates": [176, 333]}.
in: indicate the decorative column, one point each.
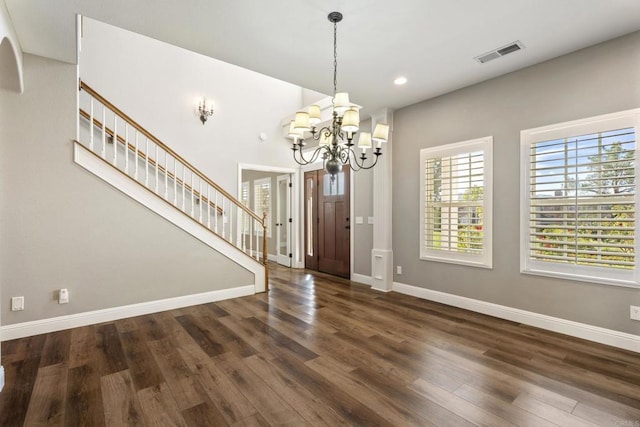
{"type": "Point", "coordinates": [382, 252]}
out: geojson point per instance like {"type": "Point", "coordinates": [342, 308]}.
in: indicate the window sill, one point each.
{"type": "Point", "coordinates": [458, 261]}
{"type": "Point", "coordinates": [627, 283]}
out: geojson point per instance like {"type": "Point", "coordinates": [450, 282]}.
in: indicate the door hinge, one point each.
{"type": "Point", "coordinates": [290, 255]}
{"type": "Point", "coordinates": [290, 185]}
{"type": "Point", "coordinates": [290, 220]}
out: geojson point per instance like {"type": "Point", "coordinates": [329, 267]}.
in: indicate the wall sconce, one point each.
{"type": "Point", "coordinates": [205, 109]}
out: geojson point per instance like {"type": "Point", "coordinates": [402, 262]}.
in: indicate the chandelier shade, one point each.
{"type": "Point", "coordinates": [335, 140]}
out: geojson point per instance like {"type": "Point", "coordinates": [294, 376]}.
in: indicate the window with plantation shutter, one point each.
{"type": "Point", "coordinates": [262, 200]}
{"type": "Point", "coordinates": [579, 194]}
{"type": "Point", "coordinates": [456, 194]}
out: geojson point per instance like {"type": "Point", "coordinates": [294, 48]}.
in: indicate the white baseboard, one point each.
{"type": "Point", "coordinates": [1, 377]}
{"type": "Point", "coordinates": [555, 324]}
{"type": "Point", "coordinates": [361, 278]}
{"type": "Point", "coordinates": [36, 327]}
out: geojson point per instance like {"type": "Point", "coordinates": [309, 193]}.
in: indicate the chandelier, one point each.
{"type": "Point", "coordinates": [335, 141]}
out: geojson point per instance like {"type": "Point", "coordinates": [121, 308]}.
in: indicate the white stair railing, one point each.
{"type": "Point", "coordinates": [117, 139]}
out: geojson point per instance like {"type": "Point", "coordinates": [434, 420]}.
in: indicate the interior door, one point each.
{"type": "Point", "coordinates": [334, 225]}
{"type": "Point", "coordinates": [283, 220]}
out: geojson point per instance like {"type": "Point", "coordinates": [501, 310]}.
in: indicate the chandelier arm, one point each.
{"type": "Point", "coordinates": [303, 161]}
{"type": "Point", "coordinates": [375, 161]}
{"type": "Point", "coordinates": [317, 134]}
{"type": "Point", "coordinates": [354, 164]}
{"type": "Point", "coordinates": [358, 163]}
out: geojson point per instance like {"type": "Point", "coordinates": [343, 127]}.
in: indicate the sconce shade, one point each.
{"type": "Point", "coordinates": [314, 115]}
{"type": "Point", "coordinates": [351, 120]}
{"type": "Point", "coordinates": [341, 103]}
{"type": "Point", "coordinates": [293, 133]}
{"type": "Point", "coordinates": [302, 122]}
{"type": "Point", "coordinates": [364, 140]}
{"type": "Point", "coordinates": [381, 133]}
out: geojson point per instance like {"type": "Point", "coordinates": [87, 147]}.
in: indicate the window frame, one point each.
{"type": "Point", "coordinates": [570, 129]}
{"type": "Point", "coordinates": [485, 259]}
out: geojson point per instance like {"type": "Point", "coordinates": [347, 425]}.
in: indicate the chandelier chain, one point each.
{"type": "Point", "coordinates": [335, 58]}
{"type": "Point", "coordinates": [336, 145]}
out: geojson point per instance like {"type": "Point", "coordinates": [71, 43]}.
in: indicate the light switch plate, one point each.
{"type": "Point", "coordinates": [370, 220]}
{"type": "Point", "coordinates": [359, 220]}
{"type": "Point", "coordinates": [17, 303]}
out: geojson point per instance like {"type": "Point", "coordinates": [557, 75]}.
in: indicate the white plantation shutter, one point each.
{"type": "Point", "coordinates": [262, 200]}
{"type": "Point", "coordinates": [456, 203]}
{"type": "Point", "coordinates": [581, 201]}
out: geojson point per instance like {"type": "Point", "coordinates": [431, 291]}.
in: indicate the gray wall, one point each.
{"type": "Point", "coordinates": [597, 80]}
{"type": "Point", "coordinates": [363, 206]}
{"type": "Point", "coordinates": [61, 226]}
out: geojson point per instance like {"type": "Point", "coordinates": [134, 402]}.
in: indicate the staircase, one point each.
{"type": "Point", "coordinates": [117, 149]}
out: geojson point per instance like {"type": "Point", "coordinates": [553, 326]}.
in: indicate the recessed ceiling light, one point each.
{"type": "Point", "coordinates": [400, 80]}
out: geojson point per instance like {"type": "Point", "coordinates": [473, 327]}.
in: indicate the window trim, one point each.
{"type": "Point", "coordinates": [484, 260]}
{"type": "Point", "coordinates": [593, 274]}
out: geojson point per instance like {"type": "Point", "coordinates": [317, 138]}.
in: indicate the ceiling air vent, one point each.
{"type": "Point", "coordinates": [500, 52]}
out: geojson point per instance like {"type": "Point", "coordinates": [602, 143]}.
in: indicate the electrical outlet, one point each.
{"type": "Point", "coordinates": [17, 303]}
{"type": "Point", "coordinates": [63, 296]}
{"type": "Point", "coordinates": [635, 312]}
{"type": "Point", "coordinates": [399, 269]}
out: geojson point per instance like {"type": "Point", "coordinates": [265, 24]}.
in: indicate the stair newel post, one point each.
{"type": "Point", "coordinates": [264, 238]}
{"type": "Point", "coordinates": [264, 251]}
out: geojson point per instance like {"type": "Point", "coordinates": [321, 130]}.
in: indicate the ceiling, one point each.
{"type": "Point", "coordinates": [431, 42]}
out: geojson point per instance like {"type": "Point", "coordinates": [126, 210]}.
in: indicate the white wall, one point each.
{"type": "Point", "coordinates": [62, 227]}
{"type": "Point", "coordinates": [157, 85]}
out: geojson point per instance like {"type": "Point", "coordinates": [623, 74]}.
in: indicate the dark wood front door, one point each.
{"type": "Point", "coordinates": [332, 240]}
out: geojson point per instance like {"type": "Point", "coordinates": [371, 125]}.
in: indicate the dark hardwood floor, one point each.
{"type": "Point", "coordinates": [317, 350]}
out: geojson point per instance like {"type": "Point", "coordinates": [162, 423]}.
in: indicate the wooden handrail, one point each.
{"type": "Point", "coordinates": [143, 156]}
{"type": "Point", "coordinates": [146, 133]}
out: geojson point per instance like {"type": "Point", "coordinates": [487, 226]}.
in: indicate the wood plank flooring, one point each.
{"type": "Point", "coordinates": [317, 350]}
